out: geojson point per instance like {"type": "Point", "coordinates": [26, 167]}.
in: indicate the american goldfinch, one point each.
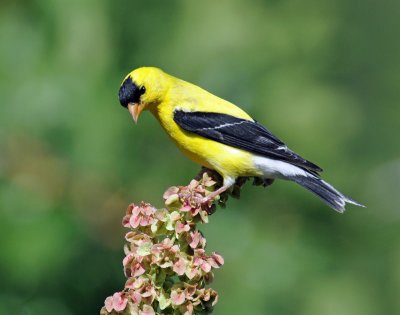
{"type": "Point", "coordinates": [219, 135]}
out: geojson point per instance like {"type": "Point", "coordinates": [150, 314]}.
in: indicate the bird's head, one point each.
{"type": "Point", "coordinates": [143, 88]}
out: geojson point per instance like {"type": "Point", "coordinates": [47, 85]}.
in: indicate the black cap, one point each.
{"type": "Point", "coordinates": [129, 92]}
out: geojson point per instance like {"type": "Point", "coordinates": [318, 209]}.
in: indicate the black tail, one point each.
{"type": "Point", "coordinates": [326, 192]}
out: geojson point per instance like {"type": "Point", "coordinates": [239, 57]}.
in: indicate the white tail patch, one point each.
{"type": "Point", "coordinates": [277, 169]}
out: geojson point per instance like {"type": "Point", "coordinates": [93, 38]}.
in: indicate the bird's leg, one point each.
{"type": "Point", "coordinates": [216, 193]}
{"type": "Point", "coordinates": [228, 182]}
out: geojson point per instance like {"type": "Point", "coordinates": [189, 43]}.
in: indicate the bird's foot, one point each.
{"type": "Point", "coordinates": [265, 182]}
{"type": "Point", "coordinates": [210, 197]}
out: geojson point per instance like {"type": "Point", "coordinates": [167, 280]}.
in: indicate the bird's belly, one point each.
{"type": "Point", "coordinates": [226, 160]}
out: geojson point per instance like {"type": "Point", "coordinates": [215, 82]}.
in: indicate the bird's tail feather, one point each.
{"type": "Point", "coordinates": [325, 191]}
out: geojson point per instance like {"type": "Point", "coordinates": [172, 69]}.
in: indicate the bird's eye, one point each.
{"type": "Point", "coordinates": [142, 90]}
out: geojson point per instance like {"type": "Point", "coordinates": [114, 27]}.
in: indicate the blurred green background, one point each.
{"type": "Point", "coordinates": [322, 75]}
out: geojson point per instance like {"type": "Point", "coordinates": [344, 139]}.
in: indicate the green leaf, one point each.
{"type": "Point", "coordinates": [164, 300]}
{"type": "Point", "coordinates": [144, 249]}
{"type": "Point", "coordinates": [159, 277]}
{"type": "Point", "coordinates": [173, 217]}
{"type": "Point", "coordinates": [154, 227]}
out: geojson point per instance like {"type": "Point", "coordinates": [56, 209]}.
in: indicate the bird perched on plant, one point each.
{"type": "Point", "coordinates": [219, 135]}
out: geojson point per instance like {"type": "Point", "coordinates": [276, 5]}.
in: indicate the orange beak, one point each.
{"type": "Point", "coordinates": [135, 109]}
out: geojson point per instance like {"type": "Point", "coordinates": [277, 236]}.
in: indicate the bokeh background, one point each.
{"type": "Point", "coordinates": [322, 75]}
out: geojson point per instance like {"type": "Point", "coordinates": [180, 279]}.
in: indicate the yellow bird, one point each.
{"type": "Point", "coordinates": [219, 135]}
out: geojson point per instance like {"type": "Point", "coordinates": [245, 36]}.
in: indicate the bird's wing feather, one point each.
{"type": "Point", "coordinates": [240, 133]}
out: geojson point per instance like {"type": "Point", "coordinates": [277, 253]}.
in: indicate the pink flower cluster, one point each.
{"type": "Point", "coordinates": [166, 263]}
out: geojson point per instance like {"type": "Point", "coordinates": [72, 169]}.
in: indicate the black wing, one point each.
{"type": "Point", "coordinates": [240, 133]}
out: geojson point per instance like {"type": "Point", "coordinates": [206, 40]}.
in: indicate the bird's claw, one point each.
{"type": "Point", "coordinates": [205, 201]}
